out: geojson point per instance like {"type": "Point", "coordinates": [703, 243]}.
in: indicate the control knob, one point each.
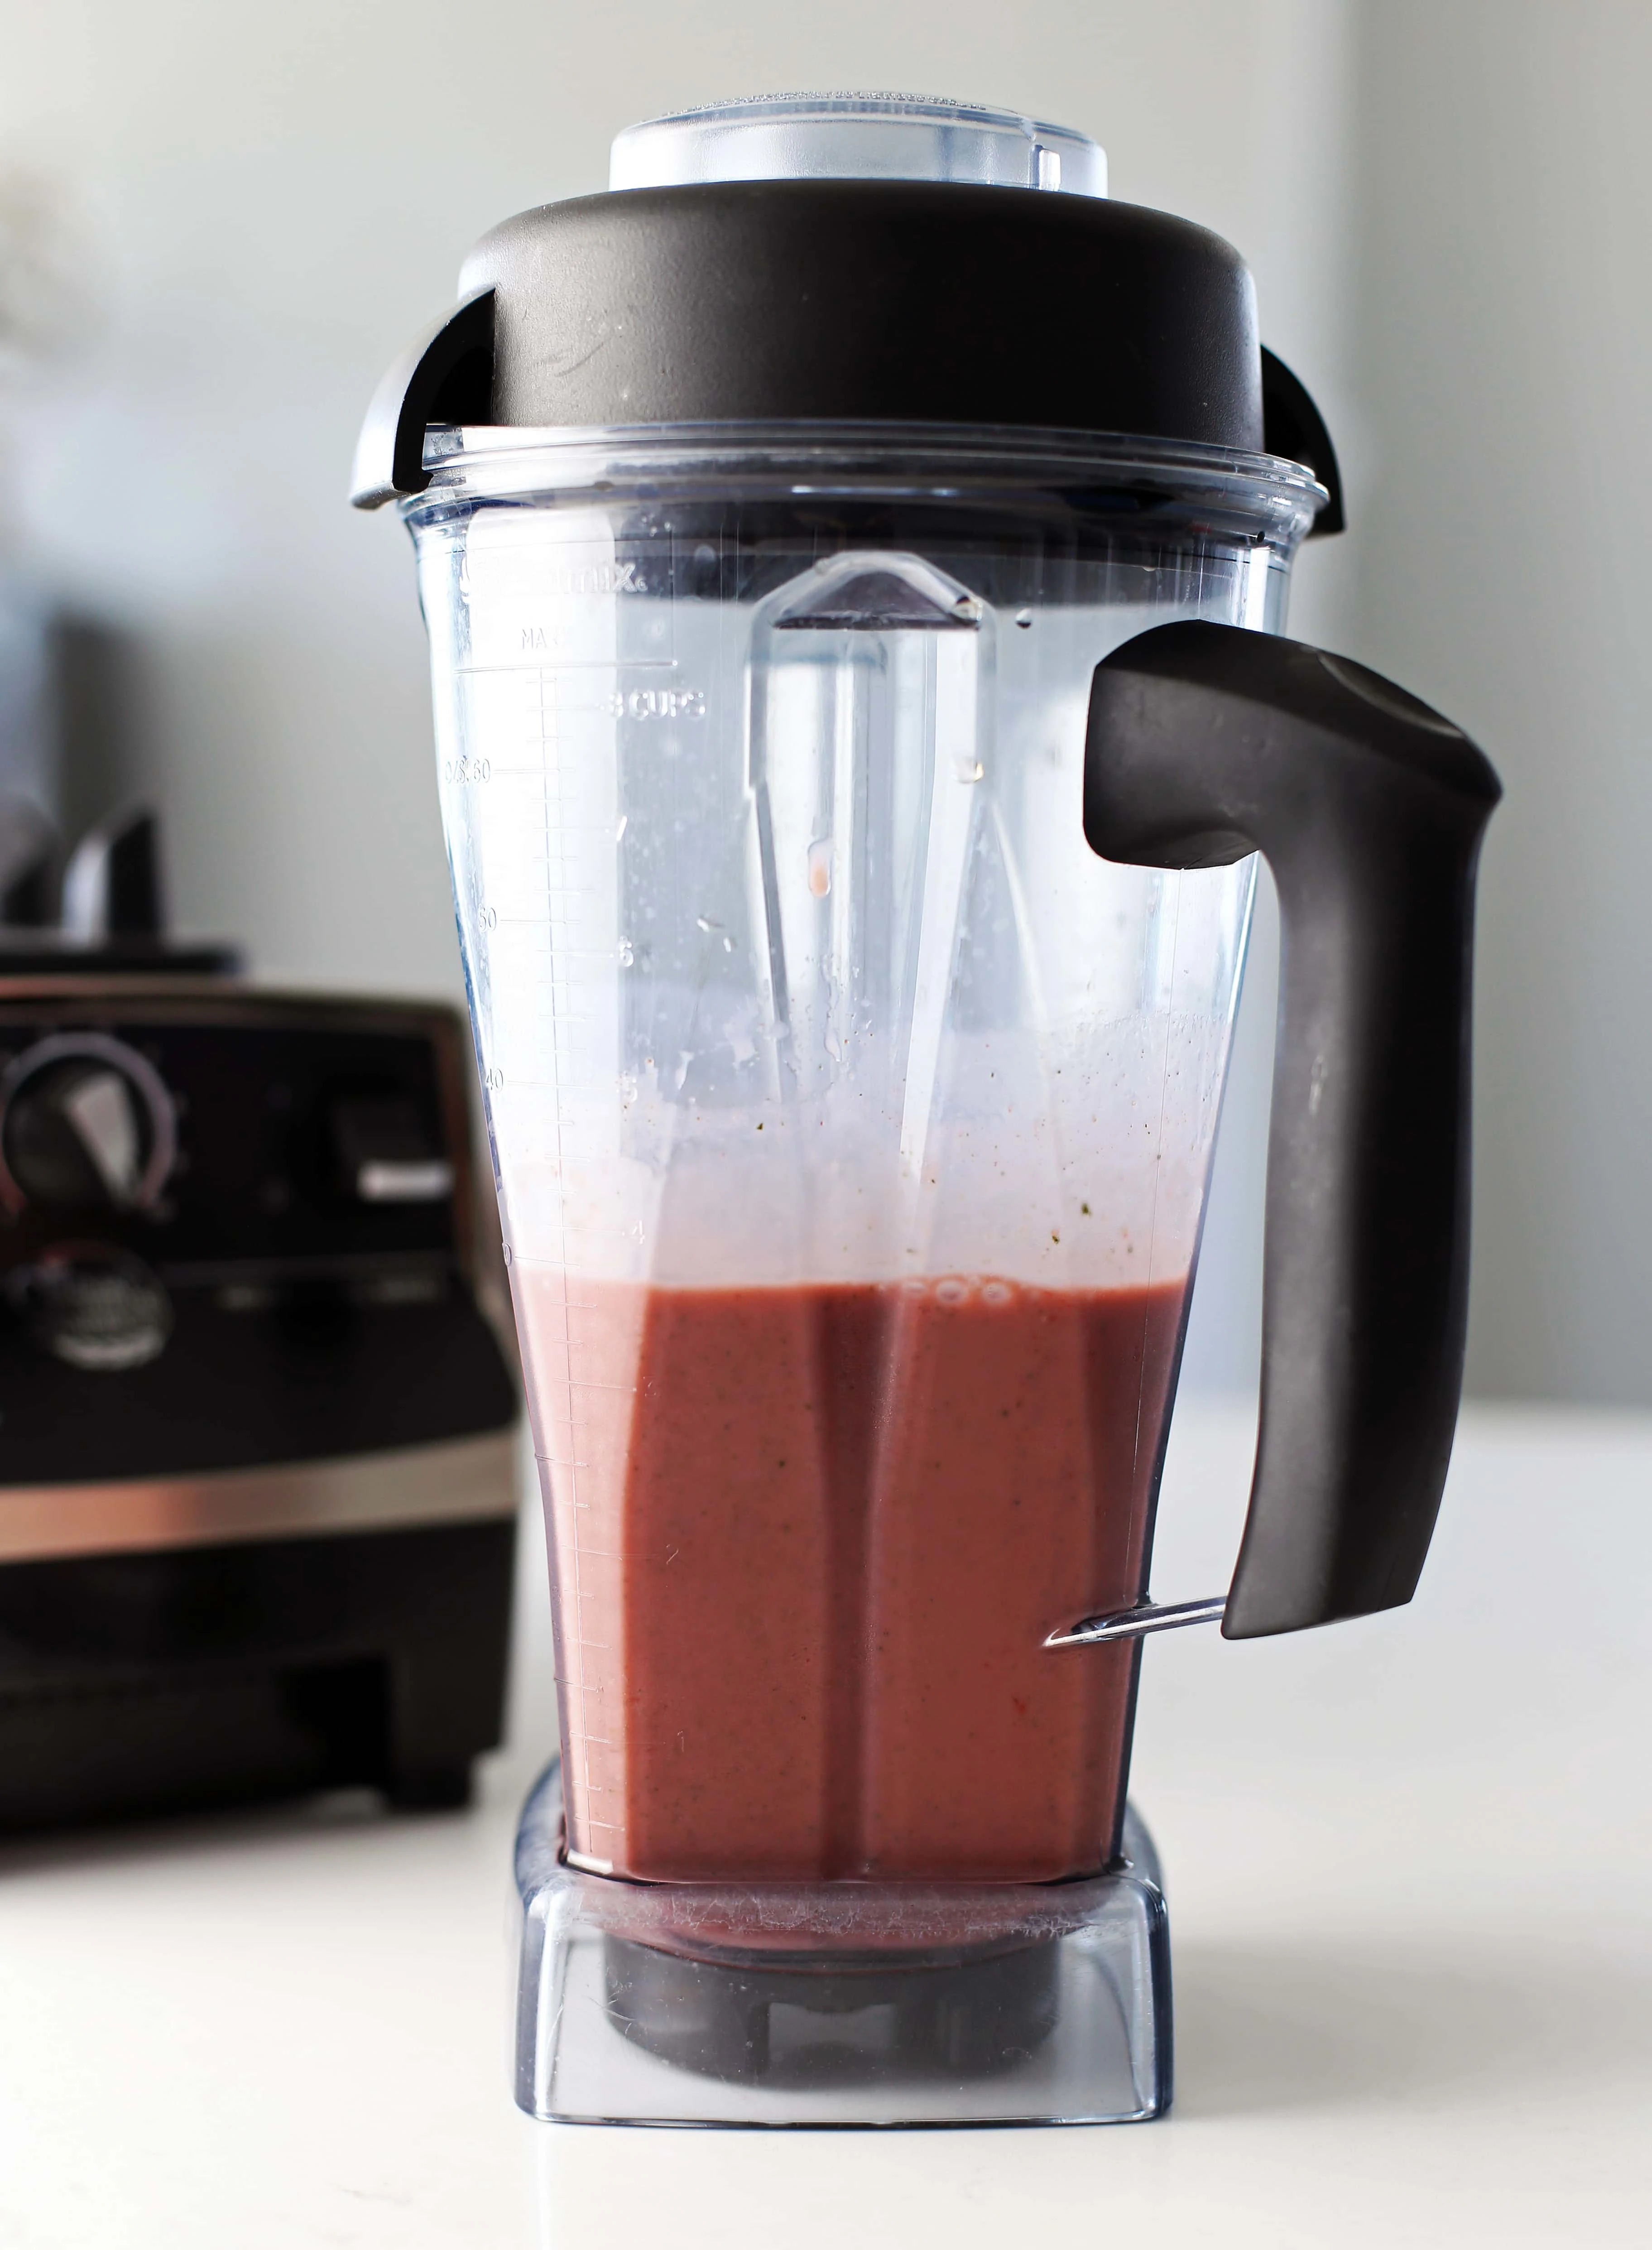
{"type": "Point", "coordinates": [85, 1124]}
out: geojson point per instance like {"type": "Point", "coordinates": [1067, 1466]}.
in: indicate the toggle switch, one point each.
{"type": "Point", "coordinates": [385, 1155]}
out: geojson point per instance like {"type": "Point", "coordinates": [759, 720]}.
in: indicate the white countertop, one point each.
{"type": "Point", "coordinates": [1409, 1868]}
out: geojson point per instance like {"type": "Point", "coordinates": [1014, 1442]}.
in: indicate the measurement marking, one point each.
{"type": "Point", "coordinates": [564, 952]}
{"type": "Point", "coordinates": [580, 664]}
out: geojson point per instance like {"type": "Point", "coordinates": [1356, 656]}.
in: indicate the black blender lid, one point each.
{"type": "Point", "coordinates": [848, 259]}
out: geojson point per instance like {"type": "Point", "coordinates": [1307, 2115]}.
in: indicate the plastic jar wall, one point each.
{"type": "Point", "coordinates": [852, 1121]}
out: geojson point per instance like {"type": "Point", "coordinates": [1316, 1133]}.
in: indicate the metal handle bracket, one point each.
{"type": "Point", "coordinates": [1141, 1617]}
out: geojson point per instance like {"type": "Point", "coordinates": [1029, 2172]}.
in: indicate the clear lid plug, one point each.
{"type": "Point", "coordinates": [855, 136]}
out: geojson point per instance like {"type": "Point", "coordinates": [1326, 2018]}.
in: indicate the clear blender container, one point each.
{"type": "Point", "coordinates": [855, 556]}
{"type": "Point", "coordinates": [852, 1118]}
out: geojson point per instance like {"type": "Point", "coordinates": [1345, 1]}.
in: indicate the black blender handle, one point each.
{"type": "Point", "coordinates": [1207, 742]}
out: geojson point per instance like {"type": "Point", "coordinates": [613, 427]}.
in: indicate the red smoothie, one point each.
{"type": "Point", "coordinates": [807, 1544]}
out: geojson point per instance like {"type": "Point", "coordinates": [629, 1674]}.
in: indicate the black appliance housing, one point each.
{"type": "Point", "coordinates": [257, 1472]}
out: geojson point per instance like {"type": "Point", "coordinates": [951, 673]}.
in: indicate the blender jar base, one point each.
{"type": "Point", "coordinates": [839, 2004]}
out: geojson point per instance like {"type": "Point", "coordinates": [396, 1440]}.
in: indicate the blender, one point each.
{"type": "Point", "coordinates": [855, 553]}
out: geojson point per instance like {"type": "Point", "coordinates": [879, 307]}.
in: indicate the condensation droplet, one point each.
{"type": "Point", "coordinates": [1023, 619]}
{"type": "Point", "coordinates": [820, 867]}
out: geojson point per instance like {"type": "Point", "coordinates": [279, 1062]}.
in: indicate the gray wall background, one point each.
{"type": "Point", "coordinates": [1504, 339]}
{"type": "Point", "coordinates": [1446, 205]}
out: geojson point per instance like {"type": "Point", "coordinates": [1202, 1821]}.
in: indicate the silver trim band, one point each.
{"type": "Point", "coordinates": [467, 1480]}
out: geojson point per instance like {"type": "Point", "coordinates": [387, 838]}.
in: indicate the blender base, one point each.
{"type": "Point", "coordinates": [849, 2003]}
